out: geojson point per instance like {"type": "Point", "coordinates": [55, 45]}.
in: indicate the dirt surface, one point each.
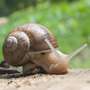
{"type": "Point", "coordinates": [74, 80]}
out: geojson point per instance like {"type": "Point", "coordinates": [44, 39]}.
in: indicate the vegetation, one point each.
{"type": "Point", "coordinates": [69, 22]}
{"type": "Point", "coordinates": [9, 6]}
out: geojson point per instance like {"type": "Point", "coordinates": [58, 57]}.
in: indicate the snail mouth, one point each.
{"type": "Point", "coordinates": [11, 43]}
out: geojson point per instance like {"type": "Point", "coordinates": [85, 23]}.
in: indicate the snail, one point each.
{"type": "Point", "coordinates": [32, 46]}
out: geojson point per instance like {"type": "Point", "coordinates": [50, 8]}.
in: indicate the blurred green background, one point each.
{"type": "Point", "coordinates": [68, 20]}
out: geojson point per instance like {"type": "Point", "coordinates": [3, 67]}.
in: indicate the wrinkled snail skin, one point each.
{"type": "Point", "coordinates": [56, 62]}
{"type": "Point", "coordinates": [51, 63]}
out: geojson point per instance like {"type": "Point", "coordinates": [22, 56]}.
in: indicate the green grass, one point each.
{"type": "Point", "coordinates": [70, 23]}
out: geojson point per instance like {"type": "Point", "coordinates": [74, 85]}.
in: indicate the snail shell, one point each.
{"type": "Point", "coordinates": [23, 39]}
{"type": "Point", "coordinates": [15, 47]}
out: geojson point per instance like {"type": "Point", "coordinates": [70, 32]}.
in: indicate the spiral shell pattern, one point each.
{"type": "Point", "coordinates": [23, 39]}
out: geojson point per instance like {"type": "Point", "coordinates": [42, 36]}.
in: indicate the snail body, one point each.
{"type": "Point", "coordinates": [32, 46]}
{"type": "Point", "coordinates": [52, 63]}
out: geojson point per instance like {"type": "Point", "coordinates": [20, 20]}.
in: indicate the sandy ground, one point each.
{"type": "Point", "coordinates": [74, 80]}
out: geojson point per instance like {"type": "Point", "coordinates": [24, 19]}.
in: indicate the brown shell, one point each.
{"type": "Point", "coordinates": [37, 33]}
{"type": "Point", "coordinates": [33, 40]}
